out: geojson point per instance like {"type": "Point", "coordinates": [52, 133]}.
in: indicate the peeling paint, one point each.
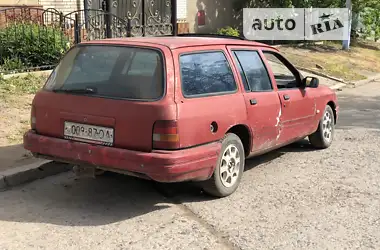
{"type": "Point", "coordinates": [278, 117]}
{"type": "Point", "coordinates": [278, 123]}
{"type": "Point", "coordinates": [278, 135]}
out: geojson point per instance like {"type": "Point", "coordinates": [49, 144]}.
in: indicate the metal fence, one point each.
{"type": "Point", "coordinates": [35, 39]}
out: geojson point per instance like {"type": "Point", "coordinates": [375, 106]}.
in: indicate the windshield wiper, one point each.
{"type": "Point", "coordinates": [76, 91]}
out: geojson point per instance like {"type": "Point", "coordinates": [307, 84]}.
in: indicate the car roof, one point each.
{"type": "Point", "coordinates": [175, 42]}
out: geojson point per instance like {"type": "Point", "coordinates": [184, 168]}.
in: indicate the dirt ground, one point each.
{"type": "Point", "coordinates": [16, 97]}
{"type": "Point", "coordinates": [360, 62]}
{"type": "Point", "coordinates": [15, 118]}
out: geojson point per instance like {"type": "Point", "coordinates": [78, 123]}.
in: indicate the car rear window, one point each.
{"type": "Point", "coordinates": [110, 71]}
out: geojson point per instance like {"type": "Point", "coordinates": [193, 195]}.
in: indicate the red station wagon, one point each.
{"type": "Point", "coordinates": [173, 109]}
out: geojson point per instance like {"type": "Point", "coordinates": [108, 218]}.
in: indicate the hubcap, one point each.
{"type": "Point", "coordinates": [327, 126]}
{"type": "Point", "coordinates": [230, 166]}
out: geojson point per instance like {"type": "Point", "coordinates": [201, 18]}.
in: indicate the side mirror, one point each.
{"type": "Point", "coordinates": [310, 82]}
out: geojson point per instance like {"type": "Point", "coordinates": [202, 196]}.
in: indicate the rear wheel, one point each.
{"type": "Point", "coordinates": [229, 169]}
{"type": "Point", "coordinates": [324, 135]}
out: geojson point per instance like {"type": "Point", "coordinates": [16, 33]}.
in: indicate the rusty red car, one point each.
{"type": "Point", "coordinates": [174, 109]}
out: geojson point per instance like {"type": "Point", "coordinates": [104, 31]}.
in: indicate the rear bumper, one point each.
{"type": "Point", "coordinates": [197, 163]}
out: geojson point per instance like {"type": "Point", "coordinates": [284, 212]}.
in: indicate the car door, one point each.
{"type": "Point", "coordinates": [298, 106]}
{"type": "Point", "coordinates": [208, 96]}
{"type": "Point", "coordinates": [261, 99]}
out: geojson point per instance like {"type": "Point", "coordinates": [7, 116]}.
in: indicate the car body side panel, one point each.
{"type": "Point", "coordinates": [323, 95]}
{"type": "Point", "coordinates": [196, 114]}
{"type": "Point", "coordinates": [263, 117]}
{"type": "Point", "coordinates": [297, 113]}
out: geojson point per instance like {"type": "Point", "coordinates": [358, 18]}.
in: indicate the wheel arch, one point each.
{"type": "Point", "coordinates": [245, 135]}
{"type": "Point", "coordinates": [333, 107]}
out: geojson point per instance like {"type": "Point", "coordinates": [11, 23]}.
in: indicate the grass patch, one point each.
{"type": "Point", "coordinates": [361, 61]}
{"type": "Point", "coordinates": [29, 84]}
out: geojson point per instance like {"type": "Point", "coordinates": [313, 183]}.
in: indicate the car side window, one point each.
{"type": "Point", "coordinates": [206, 73]}
{"type": "Point", "coordinates": [253, 72]}
{"type": "Point", "coordinates": [284, 76]}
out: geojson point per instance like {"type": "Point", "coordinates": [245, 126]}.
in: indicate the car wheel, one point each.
{"type": "Point", "coordinates": [323, 137]}
{"type": "Point", "coordinates": [229, 169]}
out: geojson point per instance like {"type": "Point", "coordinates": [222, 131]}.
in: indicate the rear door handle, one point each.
{"type": "Point", "coordinates": [286, 97]}
{"type": "Point", "coordinates": [253, 101]}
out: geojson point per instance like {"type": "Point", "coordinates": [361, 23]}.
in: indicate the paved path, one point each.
{"type": "Point", "coordinates": [293, 198]}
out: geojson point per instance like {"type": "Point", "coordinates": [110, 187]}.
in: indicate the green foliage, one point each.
{"type": "Point", "coordinates": [31, 45]}
{"type": "Point", "coordinates": [12, 64]}
{"type": "Point", "coordinates": [229, 31]}
{"type": "Point", "coordinates": [29, 84]}
{"type": "Point", "coordinates": [371, 20]}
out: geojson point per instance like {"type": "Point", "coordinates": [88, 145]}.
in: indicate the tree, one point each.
{"type": "Point", "coordinates": [371, 20]}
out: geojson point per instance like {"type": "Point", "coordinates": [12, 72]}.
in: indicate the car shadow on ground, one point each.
{"type": "Point", "coordinates": [192, 192]}
{"type": "Point", "coordinates": [71, 201]}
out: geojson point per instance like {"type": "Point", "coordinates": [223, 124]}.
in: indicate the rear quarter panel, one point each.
{"type": "Point", "coordinates": [196, 114]}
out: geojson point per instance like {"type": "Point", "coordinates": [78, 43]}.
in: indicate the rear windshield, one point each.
{"type": "Point", "coordinates": [110, 71]}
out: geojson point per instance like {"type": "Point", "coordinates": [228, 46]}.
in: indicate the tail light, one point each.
{"type": "Point", "coordinates": [165, 135]}
{"type": "Point", "coordinates": [33, 118]}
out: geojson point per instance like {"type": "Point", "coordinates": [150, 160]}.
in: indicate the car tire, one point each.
{"type": "Point", "coordinates": [229, 169]}
{"type": "Point", "coordinates": [324, 136]}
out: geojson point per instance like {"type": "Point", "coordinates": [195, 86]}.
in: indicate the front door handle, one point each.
{"type": "Point", "coordinates": [286, 97]}
{"type": "Point", "coordinates": [253, 101]}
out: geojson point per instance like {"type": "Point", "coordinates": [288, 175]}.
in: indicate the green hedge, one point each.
{"type": "Point", "coordinates": [229, 31]}
{"type": "Point", "coordinates": [31, 45]}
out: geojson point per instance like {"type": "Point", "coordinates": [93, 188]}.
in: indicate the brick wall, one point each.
{"type": "Point", "coordinates": [18, 2]}
{"type": "Point", "coordinates": [183, 27]}
{"type": "Point", "coordinates": [65, 6]}
{"type": "Point", "coordinates": [12, 12]}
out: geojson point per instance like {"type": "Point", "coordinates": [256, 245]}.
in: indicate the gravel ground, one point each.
{"type": "Point", "coordinates": [114, 212]}
{"type": "Point", "coordinates": [292, 198]}
{"type": "Point", "coordinates": [305, 199]}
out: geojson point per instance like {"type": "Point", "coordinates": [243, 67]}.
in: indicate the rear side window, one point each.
{"type": "Point", "coordinates": [206, 73]}
{"type": "Point", "coordinates": [253, 71]}
{"type": "Point", "coordinates": [111, 71]}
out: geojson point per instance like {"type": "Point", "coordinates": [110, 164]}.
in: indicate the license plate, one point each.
{"type": "Point", "coordinates": [89, 133]}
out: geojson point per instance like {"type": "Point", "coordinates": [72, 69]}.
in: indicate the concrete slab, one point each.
{"type": "Point", "coordinates": [14, 155]}
{"type": "Point", "coordinates": [27, 173]}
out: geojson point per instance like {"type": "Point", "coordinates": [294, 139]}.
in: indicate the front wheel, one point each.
{"type": "Point", "coordinates": [229, 169]}
{"type": "Point", "coordinates": [324, 135]}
